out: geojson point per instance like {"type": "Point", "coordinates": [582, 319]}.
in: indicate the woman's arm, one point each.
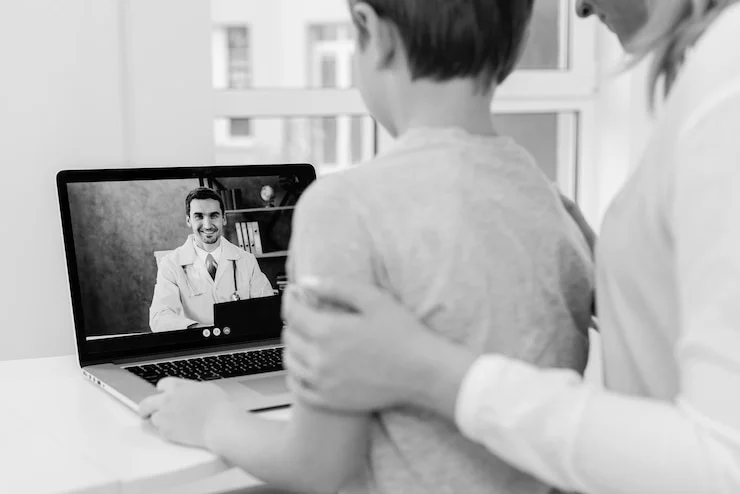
{"type": "Point", "coordinates": [551, 424]}
{"type": "Point", "coordinates": [546, 422]}
{"type": "Point", "coordinates": [419, 368]}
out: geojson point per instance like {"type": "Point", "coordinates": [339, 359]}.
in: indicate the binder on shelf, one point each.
{"type": "Point", "coordinates": [257, 241]}
{"type": "Point", "coordinates": [245, 236]}
{"type": "Point", "coordinates": [248, 236]}
{"type": "Point", "coordinates": [239, 238]}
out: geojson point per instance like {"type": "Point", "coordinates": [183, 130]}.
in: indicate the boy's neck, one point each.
{"type": "Point", "coordinates": [454, 103]}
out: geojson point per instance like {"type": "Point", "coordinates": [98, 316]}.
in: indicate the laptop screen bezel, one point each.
{"type": "Point", "coordinates": [97, 351]}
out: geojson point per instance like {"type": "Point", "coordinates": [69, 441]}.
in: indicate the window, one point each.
{"type": "Point", "coordinates": [302, 104]}
{"type": "Point", "coordinates": [231, 70]}
{"type": "Point", "coordinates": [231, 58]}
{"type": "Point", "coordinates": [335, 140]}
{"type": "Point", "coordinates": [547, 48]}
{"type": "Point", "coordinates": [233, 133]}
{"type": "Point", "coordinates": [238, 57]}
{"type": "Point", "coordinates": [330, 143]}
{"type": "Point", "coordinates": [550, 137]}
{"type": "Point", "coordinates": [547, 104]}
{"type": "Point", "coordinates": [331, 48]}
{"type": "Point", "coordinates": [240, 127]}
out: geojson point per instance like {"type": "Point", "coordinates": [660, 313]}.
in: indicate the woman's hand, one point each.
{"type": "Point", "coordinates": [352, 347]}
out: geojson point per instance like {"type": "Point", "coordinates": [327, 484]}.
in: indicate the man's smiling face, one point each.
{"type": "Point", "coordinates": [207, 222]}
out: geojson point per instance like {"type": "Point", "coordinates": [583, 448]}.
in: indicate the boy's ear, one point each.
{"type": "Point", "coordinates": [376, 34]}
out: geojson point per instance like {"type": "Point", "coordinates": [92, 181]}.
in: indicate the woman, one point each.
{"type": "Point", "coordinates": [668, 277]}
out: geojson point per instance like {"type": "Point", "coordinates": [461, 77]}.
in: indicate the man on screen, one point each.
{"type": "Point", "coordinates": [205, 270]}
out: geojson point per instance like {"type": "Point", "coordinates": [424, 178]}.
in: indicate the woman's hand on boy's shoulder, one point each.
{"type": "Point", "coordinates": [351, 347]}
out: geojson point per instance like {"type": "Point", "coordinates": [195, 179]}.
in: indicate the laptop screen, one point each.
{"type": "Point", "coordinates": [151, 252]}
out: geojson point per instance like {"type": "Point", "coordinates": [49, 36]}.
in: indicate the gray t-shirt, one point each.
{"type": "Point", "coordinates": [466, 232]}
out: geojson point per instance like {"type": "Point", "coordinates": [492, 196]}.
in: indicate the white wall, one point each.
{"type": "Point", "coordinates": [61, 107]}
{"type": "Point", "coordinates": [85, 84]}
{"type": "Point", "coordinates": [168, 83]}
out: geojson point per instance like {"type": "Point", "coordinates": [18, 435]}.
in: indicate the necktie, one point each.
{"type": "Point", "coordinates": [211, 266]}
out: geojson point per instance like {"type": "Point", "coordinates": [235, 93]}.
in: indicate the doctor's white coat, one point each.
{"type": "Point", "coordinates": [185, 293]}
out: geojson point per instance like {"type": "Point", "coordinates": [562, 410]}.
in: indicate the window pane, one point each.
{"type": "Point", "coordinates": [240, 127]}
{"type": "Point", "coordinates": [289, 43]}
{"type": "Point", "coordinates": [328, 72]}
{"type": "Point", "coordinates": [238, 57]}
{"type": "Point", "coordinates": [231, 57]}
{"type": "Point", "coordinates": [542, 135]}
{"type": "Point", "coordinates": [230, 132]}
{"type": "Point", "coordinates": [329, 143]}
{"type": "Point", "coordinates": [545, 49]}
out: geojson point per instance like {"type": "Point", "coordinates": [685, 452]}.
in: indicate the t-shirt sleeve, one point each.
{"type": "Point", "coordinates": [330, 235]}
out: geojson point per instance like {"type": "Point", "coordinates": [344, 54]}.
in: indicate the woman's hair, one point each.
{"type": "Point", "coordinates": [673, 28]}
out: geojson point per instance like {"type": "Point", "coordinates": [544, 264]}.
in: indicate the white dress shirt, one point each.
{"type": "Point", "coordinates": [203, 254]}
{"type": "Point", "coordinates": [668, 287]}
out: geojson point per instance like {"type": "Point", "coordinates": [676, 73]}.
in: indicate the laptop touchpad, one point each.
{"type": "Point", "coordinates": [268, 386]}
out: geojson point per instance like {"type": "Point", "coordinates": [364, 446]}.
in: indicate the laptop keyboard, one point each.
{"type": "Point", "coordinates": [213, 367]}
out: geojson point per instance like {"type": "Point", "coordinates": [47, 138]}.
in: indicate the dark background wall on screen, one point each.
{"type": "Point", "coordinates": [117, 227]}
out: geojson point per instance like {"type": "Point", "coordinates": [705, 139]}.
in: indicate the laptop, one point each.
{"type": "Point", "coordinates": [121, 227]}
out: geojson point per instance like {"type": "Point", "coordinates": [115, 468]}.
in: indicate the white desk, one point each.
{"type": "Point", "coordinates": [60, 433]}
{"type": "Point", "coordinates": [34, 462]}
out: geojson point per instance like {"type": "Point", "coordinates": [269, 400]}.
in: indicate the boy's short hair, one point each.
{"type": "Point", "coordinates": [448, 39]}
{"type": "Point", "coordinates": [202, 193]}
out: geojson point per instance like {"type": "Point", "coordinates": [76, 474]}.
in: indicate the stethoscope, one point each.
{"type": "Point", "coordinates": [235, 297]}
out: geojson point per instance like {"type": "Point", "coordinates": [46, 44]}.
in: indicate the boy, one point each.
{"type": "Point", "coordinates": [457, 223]}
